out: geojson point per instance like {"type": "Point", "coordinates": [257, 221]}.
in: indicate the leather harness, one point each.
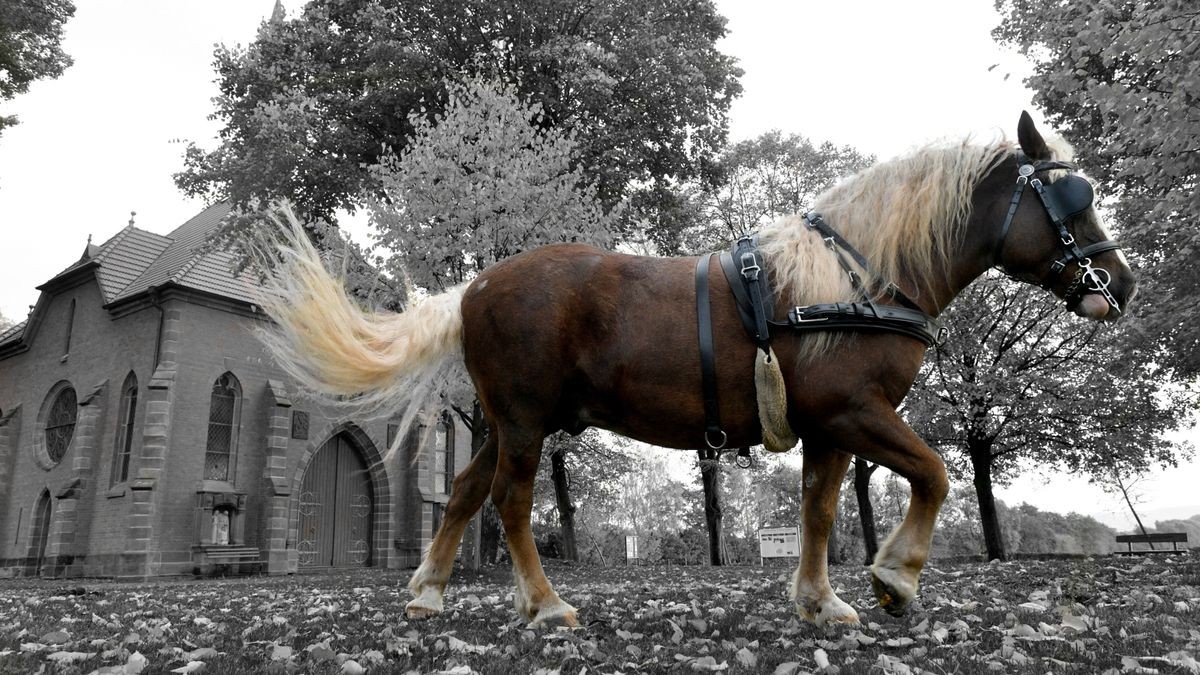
{"type": "Point", "coordinates": [745, 271]}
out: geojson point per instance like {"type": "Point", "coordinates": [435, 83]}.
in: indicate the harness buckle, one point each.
{"type": "Point", "coordinates": [798, 312]}
{"type": "Point", "coordinates": [943, 334]}
{"type": "Point", "coordinates": [1068, 240]}
{"type": "Point", "coordinates": [1058, 266]}
{"type": "Point", "coordinates": [750, 270]}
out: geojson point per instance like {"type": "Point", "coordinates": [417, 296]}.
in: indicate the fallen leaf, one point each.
{"type": "Point", "coordinates": [69, 657]}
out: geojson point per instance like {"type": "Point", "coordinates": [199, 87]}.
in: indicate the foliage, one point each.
{"type": "Point", "coordinates": [1108, 614]}
{"type": "Point", "coordinates": [1122, 81]}
{"type": "Point", "coordinates": [317, 98]}
{"type": "Point", "coordinates": [774, 175]}
{"type": "Point", "coordinates": [480, 182]}
{"type": "Point", "coordinates": [5, 322]}
{"type": "Point", "coordinates": [1027, 530]}
{"type": "Point", "coordinates": [31, 34]}
{"type": "Point", "coordinates": [596, 462]}
{"type": "Point", "coordinates": [1019, 380]}
{"type": "Point", "coordinates": [757, 181]}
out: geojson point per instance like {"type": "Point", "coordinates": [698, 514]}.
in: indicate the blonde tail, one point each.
{"type": "Point", "coordinates": [349, 357]}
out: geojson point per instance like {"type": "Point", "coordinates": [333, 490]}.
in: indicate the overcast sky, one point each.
{"type": "Point", "coordinates": [883, 76]}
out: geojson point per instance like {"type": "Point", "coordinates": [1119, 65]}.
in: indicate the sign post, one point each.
{"type": "Point", "coordinates": [631, 548]}
{"type": "Point", "coordinates": [778, 542]}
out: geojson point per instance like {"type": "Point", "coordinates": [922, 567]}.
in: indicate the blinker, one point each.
{"type": "Point", "coordinates": [1068, 196]}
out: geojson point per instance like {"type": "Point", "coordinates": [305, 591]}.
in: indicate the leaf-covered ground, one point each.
{"type": "Point", "coordinates": [1137, 614]}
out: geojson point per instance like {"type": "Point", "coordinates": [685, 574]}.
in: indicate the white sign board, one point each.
{"type": "Point", "coordinates": [631, 547]}
{"type": "Point", "coordinates": [779, 542]}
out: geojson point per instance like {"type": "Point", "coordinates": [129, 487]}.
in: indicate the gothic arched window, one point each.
{"type": "Point", "coordinates": [122, 449]}
{"type": "Point", "coordinates": [224, 413]}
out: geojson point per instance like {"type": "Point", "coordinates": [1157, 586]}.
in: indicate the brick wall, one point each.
{"type": "Point", "coordinates": [148, 525]}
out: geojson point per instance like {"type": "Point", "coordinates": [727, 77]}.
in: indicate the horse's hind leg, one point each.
{"type": "Point", "coordinates": [470, 488]}
{"type": "Point", "coordinates": [876, 433]}
{"type": "Point", "coordinates": [512, 491]}
{"type": "Point", "coordinates": [815, 600]}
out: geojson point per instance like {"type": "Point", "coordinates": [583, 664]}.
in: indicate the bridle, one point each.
{"type": "Point", "coordinates": [1066, 197]}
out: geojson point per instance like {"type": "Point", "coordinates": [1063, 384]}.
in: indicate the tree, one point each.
{"type": "Point", "coordinates": [315, 99]}
{"type": "Point", "coordinates": [479, 182]}
{"type": "Point", "coordinates": [757, 181]}
{"type": "Point", "coordinates": [1018, 379]}
{"type": "Point", "coordinates": [5, 322]}
{"type": "Point", "coordinates": [583, 473]}
{"type": "Point", "coordinates": [31, 34]}
{"type": "Point", "coordinates": [1119, 480]}
{"type": "Point", "coordinates": [866, 512]}
{"type": "Point", "coordinates": [1120, 79]}
{"type": "Point", "coordinates": [709, 463]}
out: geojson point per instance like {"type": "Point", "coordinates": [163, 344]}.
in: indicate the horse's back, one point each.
{"type": "Point", "coordinates": [586, 337]}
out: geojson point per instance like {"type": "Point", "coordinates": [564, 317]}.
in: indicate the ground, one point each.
{"type": "Point", "coordinates": [1119, 614]}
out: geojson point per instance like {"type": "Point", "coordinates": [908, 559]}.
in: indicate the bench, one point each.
{"type": "Point", "coordinates": [246, 556]}
{"type": "Point", "coordinates": [1172, 538]}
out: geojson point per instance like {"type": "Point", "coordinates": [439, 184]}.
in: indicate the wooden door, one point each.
{"type": "Point", "coordinates": [335, 506]}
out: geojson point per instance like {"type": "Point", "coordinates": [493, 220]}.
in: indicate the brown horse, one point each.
{"type": "Point", "coordinates": [568, 336]}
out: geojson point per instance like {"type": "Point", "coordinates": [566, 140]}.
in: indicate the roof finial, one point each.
{"type": "Point", "coordinates": [132, 214]}
{"type": "Point", "coordinates": [89, 239]}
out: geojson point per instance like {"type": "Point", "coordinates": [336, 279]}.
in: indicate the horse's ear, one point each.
{"type": "Point", "coordinates": [1032, 143]}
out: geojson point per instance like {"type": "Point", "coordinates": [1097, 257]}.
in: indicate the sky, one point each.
{"type": "Point", "coordinates": [884, 76]}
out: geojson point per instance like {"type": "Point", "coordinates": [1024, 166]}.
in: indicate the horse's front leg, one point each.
{"type": "Point", "coordinates": [875, 432]}
{"type": "Point", "coordinates": [824, 468]}
{"type": "Point", "coordinates": [470, 488]}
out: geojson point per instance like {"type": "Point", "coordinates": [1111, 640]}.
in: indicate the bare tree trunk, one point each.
{"type": "Point", "coordinates": [866, 511]}
{"type": "Point", "coordinates": [989, 516]}
{"type": "Point", "coordinates": [833, 548]}
{"type": "Point", "coordinates": [1125, 493]}
{"type": "Point", "coordinates": [710, 477]}
{"type": "Point", "coordinates": [568, 548]}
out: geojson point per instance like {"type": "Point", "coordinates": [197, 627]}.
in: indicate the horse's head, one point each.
{"type": "Point", "coordinates": [1052, 236]}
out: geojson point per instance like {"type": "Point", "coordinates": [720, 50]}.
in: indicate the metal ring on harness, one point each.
{"type": "Point", "coordinates": [749, 461]}
{"type": "Point", "coordinates": [710, 444]}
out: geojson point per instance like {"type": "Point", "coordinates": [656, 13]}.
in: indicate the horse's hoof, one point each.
{"type": "Point", "coordinates": [889, 597]}
{"type": "Point", "coordinates": [422, 608]}
{"type": "Point", "coordinates": [829, 612]}
{"type": "Point", "coordinates": [555, 616]}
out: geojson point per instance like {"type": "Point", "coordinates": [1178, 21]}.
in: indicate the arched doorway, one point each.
{"type": "Point", "coordinates": [40, 533]}
{"type": "Point", "coordinates": [335, 507]}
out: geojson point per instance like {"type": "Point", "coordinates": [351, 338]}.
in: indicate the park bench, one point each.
{"type": "Point", "coordinates": [245, 557]}
{"type": "Point", "coordinates": [1172, 538]}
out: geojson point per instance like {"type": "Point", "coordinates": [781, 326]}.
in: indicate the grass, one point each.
{"type": "Point", "coordinates": [1086, 616]}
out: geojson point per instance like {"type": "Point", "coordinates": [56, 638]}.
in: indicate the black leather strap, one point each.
{"type": "Point", "coordinates": [867, 316]}
{"type": "Point", "coordinates": [1087, 251]}
{"type": "Point", "coordinates": [746, 273]}
{"type": "Point", "coordinates": [714, 437]}
{"type": "Point", "coordinates": [838, 244]}
{"type": "Point", "coordinates": [1022, 181]}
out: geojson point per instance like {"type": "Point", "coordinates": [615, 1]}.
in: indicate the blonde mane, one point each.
{"type": "Point", "coordinates": [905, 215]}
